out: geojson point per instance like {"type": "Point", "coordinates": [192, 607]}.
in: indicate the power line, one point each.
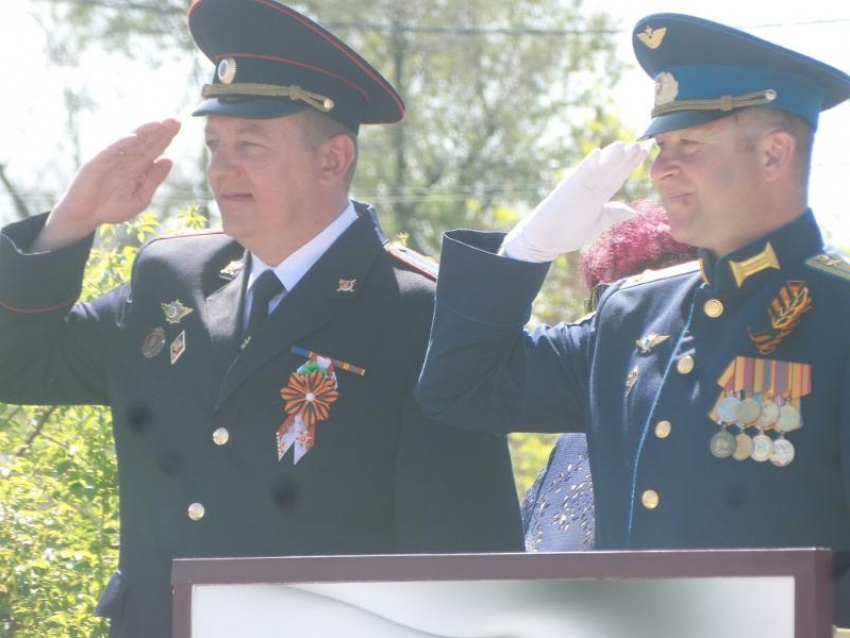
{"type": "Point", "coordinates": [435, 29]}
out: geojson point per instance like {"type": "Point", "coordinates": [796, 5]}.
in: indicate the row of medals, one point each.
{"type": "Point", "coordinates": [764, 416]}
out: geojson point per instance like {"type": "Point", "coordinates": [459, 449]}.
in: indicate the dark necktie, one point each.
{"type": "Point", "coordinates": [264, 290]}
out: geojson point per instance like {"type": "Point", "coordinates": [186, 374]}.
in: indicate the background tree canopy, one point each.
{"type": "Point", "coordinates": [501, 97]}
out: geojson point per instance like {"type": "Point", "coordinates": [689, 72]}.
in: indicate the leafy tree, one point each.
{"type": "Point", "coordinates": [58, 486]}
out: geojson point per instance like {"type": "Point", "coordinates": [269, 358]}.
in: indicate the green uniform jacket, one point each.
{"type": "Point", "coordinates": [381, 478]}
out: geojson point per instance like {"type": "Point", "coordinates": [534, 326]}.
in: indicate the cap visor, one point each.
{"type": "Point", "coordinates": [249, 108]}
{"type": "Point", "coordinates": [680, 120]}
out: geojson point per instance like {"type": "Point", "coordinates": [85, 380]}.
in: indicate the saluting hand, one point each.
{"type": "Point", "coordinates": [113, 187]}
{"type": "Point", "coordinates": [577, 210]}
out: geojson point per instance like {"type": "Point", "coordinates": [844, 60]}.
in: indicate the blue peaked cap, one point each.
{"type": "Point", "coordinates": [704, 71]}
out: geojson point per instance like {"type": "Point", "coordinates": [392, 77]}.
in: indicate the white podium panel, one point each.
{"type": "Point", "coordinates": [665, 594]}
{"type": "Point", "coordinates": [693, 608]}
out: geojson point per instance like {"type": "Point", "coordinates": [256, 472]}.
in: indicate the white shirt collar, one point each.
{"type": "Point", "coordinates": [293, 268]}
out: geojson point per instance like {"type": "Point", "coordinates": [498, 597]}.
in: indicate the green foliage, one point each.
{"type": "Point", "coordinates": [58, 489]}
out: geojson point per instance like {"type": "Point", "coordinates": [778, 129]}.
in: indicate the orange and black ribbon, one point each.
{"type": "Point", "coordinates": [785, 312]}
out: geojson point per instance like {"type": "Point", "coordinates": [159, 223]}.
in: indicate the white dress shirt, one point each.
{"type": "Point", "coordinates": [293, 268]}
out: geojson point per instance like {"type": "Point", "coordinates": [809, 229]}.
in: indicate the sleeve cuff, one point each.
{"type": "Point", "coordinates": [35, 283]}
{"type": "Point", "coordinates": [483, 286]}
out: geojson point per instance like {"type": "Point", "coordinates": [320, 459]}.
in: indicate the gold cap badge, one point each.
{"type": "Point", "coordinates": [652, 37]}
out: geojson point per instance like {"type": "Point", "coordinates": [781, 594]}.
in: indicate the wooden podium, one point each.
{"type": "Point", "coordinates": [770, 593]}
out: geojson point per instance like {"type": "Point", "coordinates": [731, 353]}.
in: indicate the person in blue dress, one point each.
{"type": "Point", "coordinates": [558, 509]}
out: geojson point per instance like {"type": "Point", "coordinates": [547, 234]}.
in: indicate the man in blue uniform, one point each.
{"type": "Point", "coordinates": [715, 396]}
{"type": "Point", "coordinates": [239, 434]}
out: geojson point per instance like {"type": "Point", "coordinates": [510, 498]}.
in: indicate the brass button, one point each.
{"type": "Point", "coordinates": [650, 499]}
{"type": "Point", "coordinates": [685, 365]}
{"type": "Point", "coordinates": [662, 429]}
{"type": "Point", "coordinates": [221, 436]}
{"type": "Point", "coordinates": [713, 308]}
{"type": "Point", "coordinates": [196, 511]}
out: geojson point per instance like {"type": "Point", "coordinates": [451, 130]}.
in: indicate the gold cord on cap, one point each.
{"type": "Point", "coordinates": [295, 93]}
{"type": "Point", "coordinates": [725, 103]}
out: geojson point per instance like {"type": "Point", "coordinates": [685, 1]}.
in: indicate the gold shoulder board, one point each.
{"type": "Point", "coordinates": [832, 264]}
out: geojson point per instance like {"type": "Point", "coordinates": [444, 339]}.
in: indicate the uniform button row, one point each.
{"type": "Point", "coordinates": [650, 499]}
{"type": "Point", "coordinates": [713, 308]}
{"type": "Point", "coordinates": [196, 511]}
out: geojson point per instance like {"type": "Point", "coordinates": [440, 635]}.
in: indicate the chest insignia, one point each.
{"type": "Point", "coordinates": [153, 344]}
{"type": "Point", "coordinates": [632, 379]}
{"type": "Point", "coordinates": [346, 285]}
{"type": "Point", "coordinates": [308, 397]}
{"type": "Point", "coordinates": [232, 269]}
{"type": "Point", "coordinates": [758, 407]}
{"type": "Point", "coordinates": [647, 343]}
{"type": "Point", "coordinates": [175, 311]}
{"type": "Point", "coordinates": [784, 313]}
{"type": "Point", "coordinates": [178, 347]}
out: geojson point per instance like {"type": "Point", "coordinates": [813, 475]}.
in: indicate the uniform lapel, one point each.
{"type": "Point", "coordinates": [308, 306]}
{"type": "Point", "coordinates": [222, 316]}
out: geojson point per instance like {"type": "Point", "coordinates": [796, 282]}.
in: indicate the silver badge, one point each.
{"type": "Point", "coordinates": [666, 88]}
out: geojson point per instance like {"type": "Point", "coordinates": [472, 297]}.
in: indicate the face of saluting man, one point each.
{"type": "Point", "coordinates": [709, 177]}
{"type": "Point", "coordinates": [269, 183]}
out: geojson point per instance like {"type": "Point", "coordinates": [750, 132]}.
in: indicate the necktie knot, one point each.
{"type": "Point", "coordinates": [266, 288]}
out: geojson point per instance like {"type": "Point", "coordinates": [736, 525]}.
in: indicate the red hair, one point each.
{"type": "Point", "coordinates": [632, 246]}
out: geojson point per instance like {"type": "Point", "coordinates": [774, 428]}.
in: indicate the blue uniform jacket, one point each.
{"type": "Point", "coordinates": [647, 405]}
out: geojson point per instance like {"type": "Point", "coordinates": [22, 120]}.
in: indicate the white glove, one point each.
{"type": "Point", "coordinates": [577, 210]}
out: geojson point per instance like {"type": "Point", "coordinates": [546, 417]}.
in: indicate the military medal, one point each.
{"type": "Point", "coordinates": [153, 344]}
{"type": "Point", "coordinates": [722, 444]}
{"type": "Point", "coordinates": [789, 419]}
{"type": "Point", "coordinates": [308, 396]}
{"type": "Point", "coordinates": [178, 347]}
{"type": "Point", "coordinates": [727, 409]}
{"type": "Point", "coordinates": [762, 448]}
{"type": "Point", "coordinates": [769, 414]}
{"type": "Point", "coordinates": [748, 411]}
{"type": "Point", "coordinates": [783, 452]}
{"type": "Point", "coordinates": [175, 311]}
{"type": "Point", "coordinates": [763, 394]}
{"type": "Point", "coordinates": [743, 447]}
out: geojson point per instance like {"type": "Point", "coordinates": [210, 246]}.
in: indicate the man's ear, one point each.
{"type": "Point", "coordinates": [777, 151]}
{"type": "Point", "coordinates": [337, 155]}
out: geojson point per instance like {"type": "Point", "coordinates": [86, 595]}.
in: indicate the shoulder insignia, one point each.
{"type": "Point", "coordinates": [417, 261]}
{"type": "Point", "coordinates": [648, 276]}
{"type": "Point", "coordinates": [231, 270]}
{"type": "Point", "coordinates": [832, 264]}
